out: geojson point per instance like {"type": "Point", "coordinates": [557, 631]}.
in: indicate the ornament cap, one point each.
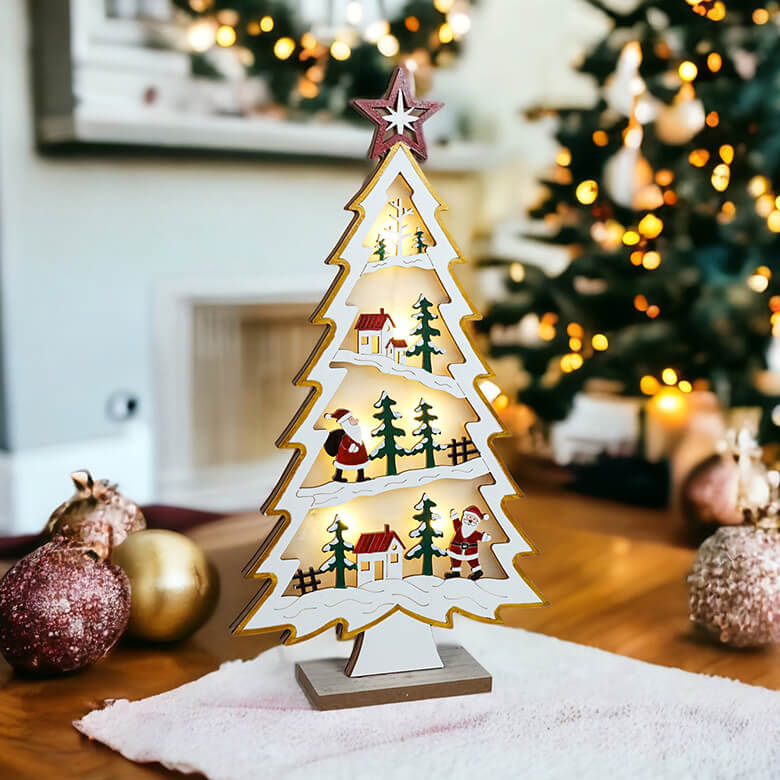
{"type": "Point", "coordinates": [398, 116]}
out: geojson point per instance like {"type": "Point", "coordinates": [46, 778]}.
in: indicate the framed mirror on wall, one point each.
{"type": "Point", "coordinates": [193, 74]}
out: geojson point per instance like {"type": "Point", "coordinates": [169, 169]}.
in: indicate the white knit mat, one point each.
{"type": "Point", "coordinates": [558, 710]}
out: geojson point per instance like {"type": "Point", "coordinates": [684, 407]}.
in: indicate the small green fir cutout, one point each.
{"type": "Point", "coordinates": [419, 242]}
{"type": "Point", "coordinates": [381, 248]}
{"type": "Point", "coordinates": [338, 562]}
{"type": "Point", "coordinates": [387, 433]}
{"type": "Point", "coordinates": [426, 533]}
{"type": "Point", "coordinates": [426, 432]}
{"type": "Point", "coordinates": [426, 332]}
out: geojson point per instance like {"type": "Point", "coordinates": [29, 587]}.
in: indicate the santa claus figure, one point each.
{"type": "Point", "coordinates": [345, 444]}
{"type": "Point", "coordinates": [464, 546]}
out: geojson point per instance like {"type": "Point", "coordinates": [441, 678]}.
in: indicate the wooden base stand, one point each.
{"type": "Point", "coordinates": [328, 687]}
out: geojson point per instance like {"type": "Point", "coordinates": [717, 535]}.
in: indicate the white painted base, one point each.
{"type": "Point", "coordinates": [34, 482]}
{"type": "Point", "coordinates": [397, 644]}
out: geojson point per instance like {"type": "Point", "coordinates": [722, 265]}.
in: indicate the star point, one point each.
{"type": "Point", "coordinates": [398, 116]}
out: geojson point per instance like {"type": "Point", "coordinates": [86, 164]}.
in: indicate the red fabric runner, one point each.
{"type": "Point", "coordinates": [173, 518]}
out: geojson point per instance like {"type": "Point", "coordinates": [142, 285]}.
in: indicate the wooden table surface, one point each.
{"type": "Point", "coordinates": [609, 584]}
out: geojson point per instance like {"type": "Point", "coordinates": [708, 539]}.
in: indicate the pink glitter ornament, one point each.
{"type": "Point", "coordinates": [61, 609]}
{"type": "Point", "coordinates": [735, 586]}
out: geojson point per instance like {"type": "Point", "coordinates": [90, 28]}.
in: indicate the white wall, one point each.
{"type": "Point", "coordinates": [85, 239]}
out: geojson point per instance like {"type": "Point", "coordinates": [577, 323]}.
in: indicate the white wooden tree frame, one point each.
{"type": "Point", "coordinates": [392, 618]}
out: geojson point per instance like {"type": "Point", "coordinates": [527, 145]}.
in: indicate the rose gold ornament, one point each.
{"type": "Point", "coordinates": [97, 516]}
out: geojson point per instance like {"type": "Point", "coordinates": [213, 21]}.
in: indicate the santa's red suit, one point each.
{"type": "Point", "coordinates": [352, 454]}
{"type": "Point", "coordinates": [465, 546]}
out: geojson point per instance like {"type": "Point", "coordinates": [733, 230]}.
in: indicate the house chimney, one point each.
{"type": "Point", "coordinates": [381, 309]}
{"type": "Point", "coordinates": [387, 528]}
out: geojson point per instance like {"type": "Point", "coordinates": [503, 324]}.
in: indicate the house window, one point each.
{"type": "Point", "coordinates": [394, 558]}
{"type": "Point", "coordinates": [375, 344]}
{"type": "Point", "coordinates": [364, 340]}
{"type": "Point", "coordinates": [365, 565]}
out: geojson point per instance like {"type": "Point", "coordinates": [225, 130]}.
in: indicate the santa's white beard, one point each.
{"type": "Point", "coordinates": [466, 529]}
{"type": "Point", "coordinates": [352, 430]}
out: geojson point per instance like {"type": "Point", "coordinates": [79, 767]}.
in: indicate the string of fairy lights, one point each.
{"type": "Point", "coordinates": [640, 239]}
{"type": "Point", "coordinates": [305, 45]}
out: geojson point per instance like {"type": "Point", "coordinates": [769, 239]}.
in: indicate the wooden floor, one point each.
{"type": "Point", "coordinates": [609, 584]}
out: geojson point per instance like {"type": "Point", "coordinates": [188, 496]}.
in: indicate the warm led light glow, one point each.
{"type": "Point", "coordinates": [253, 28]}
{"type": "Point", "coordinates": [490, 390]}
{"type": "Point", "coordinates": [460, 23]}
{"type": "Point", "coordinates": [653, 311]}
{"type": "Point", "coordinates": [340, 50]}
{"type": "Point", "coordinates": [728, 208]}
{"type": "Point", "coordinates": [699, 157]}
{"type": "Point", "coordinates": [636, 257]}
{"type": "Point", "coordinates": [685, 386]}
{"type": "Point", "coordinates": [712, 119]}
{"type": "Point", "coordinates": [599, 342]}
{"type": "Point", "coordinates": [517, 272]}
{"type": "Point", "coordinates": [587, 191]}
{"type": "Point", "coordinates": [687, 71]}
{"type": "Point", "coordinates": [720, 177]}
{"type": "Point", "coordinates": [664, 177]}
{"type": "Point", "coordinates": [388, 45]}
{"type": "Point", "coordinates": [308, 89]}
{"type": "Point", "coordinates": [651, 261]}
{"type": "Point", "coordinates": [757, 283]}
{"type": "Point", "coordinates": [284, 48]}
{"type": "Point", "coordinates": [631, 238]}
{"type": "Point", "coordinates": [714, 61]}
{"type": "Point", "coordinates": [773, 221]}
{"type": "Point", "coordinates": [501, 402]}
{"type": "Point", "coordinates": [669, 376]}
{"type": "Point", "coordinates": [575, 330]}
{"type": "Point", "coordinates": [442, 6]}
{"type": "Point", "coordinates": [563, 157]}
{"type": "Point", "coordinates": [267, 24]}
{"type": "Point", "coordinates": [446, 33]}
{"type": "Point", "coordinates": [760, 16]}
{"type": "Point", "coordinates": [717, 12]}
{"type": "Point", "coordinates": [649, 385]}
{"type": "Point", "coordinates": [651, 226]}
{"type": "Point", "coordinates": [412, 23]}
{"type": "Point", "coordinates": [202, 35]}
{"type": "Point", "coordinates": [600, 138]}
{"type": "Point", "coordinates": [571, 362]}
{"type": "Point", "coordinates": [354, 12]}
{"type": "Point", "coordinates": [575, 345]}
{"type": "Point", "coordinates": [726, 153]}
{"type": "Point", "coordinates": [640, 303]}
{"type": "Point", "coordinates": [226, 35]}
{"type": "Point", "coordinates": [633, 137]}
{"type": "Point", "coordinates": [670, 198]}
{"type": "Point", "coordinates": [758, 185]}
{"type": "Point", "coordinates": [765, 205]}
{"type": "Point", "coordinates": [670, 405]}
{"type": "Point", "coordinates": [376, 30]}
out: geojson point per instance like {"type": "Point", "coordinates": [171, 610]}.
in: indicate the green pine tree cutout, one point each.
{"type": "Point", "coordinates": [381, 248]}
{"type": "Point", "coordinates": [387, 433]}
{"type": "Point", "coordinates": [426, 432]}
{"type": "Point", "coordinates": [419, 241]}
{"type": "Point", "coordinates": [338, 562]}
{"type": "Point", "coordinates": [426, 533]}
{"type": "Point", "coordinates": [426, 332]}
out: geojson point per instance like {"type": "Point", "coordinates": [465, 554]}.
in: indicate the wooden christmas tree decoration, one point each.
{"type": "Point", "coordinates": [366, 499]}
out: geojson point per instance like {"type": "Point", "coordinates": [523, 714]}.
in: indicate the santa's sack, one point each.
{"type": "Point", "coordinates": [333, 441]}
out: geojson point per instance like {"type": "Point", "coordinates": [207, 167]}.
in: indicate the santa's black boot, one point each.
{"type": "Point", "coordinates": [475, 575]}
{"type": "Point", "coordinates": [339, 476]}
{"type": "Point", "coordinates": [361, 477]}
{"type": "Point", "coordinates": [450, 574]}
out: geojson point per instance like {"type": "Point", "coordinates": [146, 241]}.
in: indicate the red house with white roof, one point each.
{"type": "Point", "coordinates": [379, 556]}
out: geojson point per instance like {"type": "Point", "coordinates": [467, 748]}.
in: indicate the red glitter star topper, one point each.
{"type": "Point", "coordinates": [398, 116]}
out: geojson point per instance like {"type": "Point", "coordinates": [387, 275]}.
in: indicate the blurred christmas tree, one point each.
{"type": "Point", "coordinates": [666, 193]}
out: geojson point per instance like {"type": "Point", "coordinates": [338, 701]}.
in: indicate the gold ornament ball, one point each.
{"type": "Point", "coordinates": [174, 589]}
